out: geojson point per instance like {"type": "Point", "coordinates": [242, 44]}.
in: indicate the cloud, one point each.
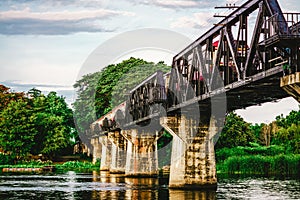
{"type": "Point", "coordinates": [175, 3]}
{"type": "Point", "coordinates": [19, 86]}
{"type": "Point", "coordinates": [180, 4]}
{"type": "Point", "coordinates": [55, 23]}
{"type": "Point", "coordinates": [63, 15]}
{"type": "Point", "coordinates": [55, 3]}
{"type": "Point", "coordinates": [197, 21]}
{"type": "Point", "coordinates": [62, 90]}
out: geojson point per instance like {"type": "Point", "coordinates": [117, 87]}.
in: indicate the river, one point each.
{"type": "Point", "coordinates": [101, 185]}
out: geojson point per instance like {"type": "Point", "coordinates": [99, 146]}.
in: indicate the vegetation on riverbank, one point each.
{"type": "Point", "coordinates": [260, 149]}
{"type": "Point", "coordinates": [66, 166]}
{"type": "Point", "coordinates": [34, 123]}
{"type": "Point", "coordinates": [258, 160]}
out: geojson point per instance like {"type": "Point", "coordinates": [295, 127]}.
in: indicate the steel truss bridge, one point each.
{"type": "Point", "coordinates": [242, 58]}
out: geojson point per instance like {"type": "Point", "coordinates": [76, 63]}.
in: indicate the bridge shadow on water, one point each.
{"type": "Point", "coordinates": [145, 188]}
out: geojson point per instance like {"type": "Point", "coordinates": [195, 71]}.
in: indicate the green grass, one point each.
{"type": "Point", "coordinates": [78, 165]}
{"type": "Point", "coordinates": [258, 160]}
{"type": "Point", "coordinates": [70, 165]}
{"type": "Point", "coordinates": [282, 165]}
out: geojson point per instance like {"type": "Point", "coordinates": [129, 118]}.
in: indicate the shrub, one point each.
{"type": "Point", "coordinates": [6, 159]}
{"type": "Point", "coordinates": [282, 165]}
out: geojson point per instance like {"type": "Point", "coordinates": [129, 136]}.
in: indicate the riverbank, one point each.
{"type": "Point", "coordinates": [258, 160]}
{"type": "Point", "coordinates": [46, 166]}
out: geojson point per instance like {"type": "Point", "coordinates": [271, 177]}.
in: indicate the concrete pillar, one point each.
{"type": "Point", "coordinates": [141, 159]}
{"type": "Point", "coordinates": [96, 149]}
{"type": "Point", "coordinates": [118, 152]}
{"type": "Point", "coordinates": [291, 84]}
{"type": "Point", "coordinates": [193, 163]}
{"type": "Point", "coordinates": [106, 153]}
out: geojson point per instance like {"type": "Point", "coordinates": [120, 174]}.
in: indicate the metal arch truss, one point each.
{"type": "Point", "coordinates": [229, 52]}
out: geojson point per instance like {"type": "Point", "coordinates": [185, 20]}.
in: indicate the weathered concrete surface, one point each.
{"type": "Point", "coordinates": [96, 149]}
{"type": "Point", "coordinates": [291, 84]}
{"type": "Point", "coordinates": [193, 163]}
{"type": "Point", "coordinates": [106, 153]}
{"type": "Point", "coordinates": [118, 152]}
{"type": "Point", "coordinates": [141, 159]}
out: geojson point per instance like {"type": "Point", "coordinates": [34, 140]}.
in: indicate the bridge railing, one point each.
{"type": "Point", "coordinates": [288, 25]}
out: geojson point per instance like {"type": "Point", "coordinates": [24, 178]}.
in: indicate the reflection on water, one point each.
{"type": "Point", "coordinates": [71, 185]}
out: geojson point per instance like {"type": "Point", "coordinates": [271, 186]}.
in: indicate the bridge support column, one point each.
{"type": "Point", "coordinates": [118, 152]}
{"type": "Point", "coordinates": [141, 157]}
{"type": "Point", "coordinates": [291, 84]}
{"type": "Point", "coordinates": [96, 149]}
{"type": "Point", "coordinates": [193, 163]}
{"type": "Point", "coordinates": [106, 153]}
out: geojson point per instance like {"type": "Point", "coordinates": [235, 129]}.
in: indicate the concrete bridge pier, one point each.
{"type": "Point", "coordinates": [106, 153]}
{"type": "Point", "coordinates": [96, 148]}
{"type": "Point", "coordinates": [291, 84]}
{"type": "Point", "coordinates": [142, 157]}
{"type": "Point", "coordinates": [193, 163]}
{"type": "Point", "coordinates": [118, 152]}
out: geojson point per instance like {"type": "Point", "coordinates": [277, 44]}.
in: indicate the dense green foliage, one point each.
{"type": "Point", "coordinates": [54, 123]}
{"type": "Point", "coordinates": [78, 165]}
{"type": "Point", "coordinates": [164, 147]}
{"type": "Point", "coordinates": [288, 131]}
{"type": "Point", "coordinates": [255, 149]}
{"type": "Point", "coordinates": [236, 132]}
{"type": "Point", "coordinates": [282, 165]}
{"type": "Point", "coordinates": [70, 165]}
{"type": "Point", "coordinates": [271, 148]}
{"type": "Point", "coordinates": [6, 159]}
{"type": "Point", "coordinates": [99, 92]}
{"type": "Point", "coordinates": [34, 123]}
{"type": "Point", "coordinates": [17, 128]}
{"type": "Point", "coordinates": [84, 106]}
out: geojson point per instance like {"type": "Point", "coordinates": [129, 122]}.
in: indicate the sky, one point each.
{"type": "Point", "coordinates": [46, 43]}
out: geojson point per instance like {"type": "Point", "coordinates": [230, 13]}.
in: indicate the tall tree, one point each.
{"type": "Point", "coordinates": [54, 122]}
{"type": "Point", "coordinates": [288, 133]}
{"type": "Point", "coordinates": [236, 132]}
{"type": "Point", "coordinates": [17, 129]}
{"type": "Point", "coordinates": [98, 93]}
{"type": "Point", "coordinates": [84, 105]}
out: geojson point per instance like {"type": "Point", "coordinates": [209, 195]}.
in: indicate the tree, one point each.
{"type": "Point", "coordinates": [131, 78]}
{"type": "Point", "coordinates": [257, 130]}
{"type": "Point", "coordinates": [35, 123]}
{"type": "Point", "coordinates": [54, 123]}
{"type": "Point", "coordinates": [6, 96]}
{"type": "Point", "coordinates": [17, 128]}
{"type": "Point", "coordinates": [236, 132]}
{"type": "Point", "coordinates": [99, 92]}
{"type": "Point", "coordinates": [109, 78]}
{"type": "Point", "coordinates": [288, 133]}
{"type": "Point", "coordinates": [84, 105]}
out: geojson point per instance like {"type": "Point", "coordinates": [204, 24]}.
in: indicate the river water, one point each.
{"type": "Point", "coordinates": [100, 185]}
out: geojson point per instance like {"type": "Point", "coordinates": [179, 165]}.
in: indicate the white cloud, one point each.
{"type": "Point", "coordinates": [174, 3]}
{"type": "Point", "coordinates": [24, 22]}
{"type": "Point", "coordinates": [178, 4]}
{"type": "Point", "coordinates": [64, 15]}
{"type": "Point", "coordinates": [197, 21]}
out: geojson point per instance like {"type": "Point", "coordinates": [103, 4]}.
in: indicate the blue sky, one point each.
{"type": "Point", "coordinates": [44, 43]}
